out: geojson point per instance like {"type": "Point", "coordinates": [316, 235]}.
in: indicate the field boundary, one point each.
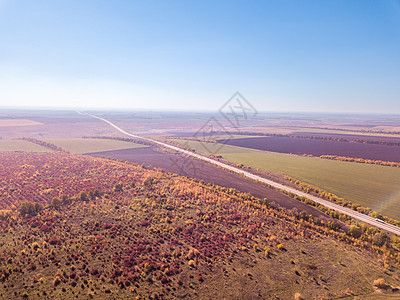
{"type": "Point", "coordinates": [45, 144]}
{"type": "Point", "coordinates": [356, 215]}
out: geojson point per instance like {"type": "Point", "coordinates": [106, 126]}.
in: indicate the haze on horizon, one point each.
{"type": "Point", "coordinates": [305, 56]}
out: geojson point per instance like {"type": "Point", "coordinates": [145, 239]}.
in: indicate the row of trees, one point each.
{"type": "Point", "coordinates": [377, 142]}
{"type": "Point", "coordinates": [115, 138]}
{"type": "Point", "coordinates": [45, 144]}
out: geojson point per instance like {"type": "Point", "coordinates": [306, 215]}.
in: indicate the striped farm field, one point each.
{"type": "Point", "coordinates": [377, 187]}
{"type": "Point", "coordinates": [19, 145]}
{"type": "Point", "coordinates": [82, 146]}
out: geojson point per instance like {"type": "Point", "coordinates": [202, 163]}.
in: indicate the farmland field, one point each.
{"type": "Point", "coordinates": [351, 137]}
{"type": "Point", "coordinates": [296, 130]}
{"type": "Point", "coordinates": [19, 145]}
{"type": "Point", "coordinates": [139, 231]}
{"type": "Point", "coordinates": [377, 187]}
{"type": "Point", "coordinates": [82, 146]}
{"type": "Point", "coordinates": [318, 147]}
{"type": "Point", "coordinates": [17, 122]}
{"type": "Point", "coordinates": [194, 168]}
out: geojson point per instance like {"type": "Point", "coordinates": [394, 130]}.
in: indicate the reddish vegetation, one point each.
{"type": "Point", "coordinates": [193, 168]}
{"type": "Point", "coordinates": [39, 177]}
{"type": "Point", "coordinates": [318, 147]}
{"type": "Point", "coordinates": [121, 229]}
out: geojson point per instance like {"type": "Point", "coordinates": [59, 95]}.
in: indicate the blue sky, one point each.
{"type": "Point", "coordinates": [334, 56]}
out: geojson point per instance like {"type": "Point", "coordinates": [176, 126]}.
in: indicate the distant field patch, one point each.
{"type": "Point", "coordinates": [82, 146]}
{"type": "Point", "coordinates": [18, 145]}
{"type": "Point", "coordinates": [17, 122]}
{"type": "Point", "coordinates": [310, 130]}
{"type": "Point", "coordinates": [377, 187]}
{"type": "Point", "coordinates": [318, 147]}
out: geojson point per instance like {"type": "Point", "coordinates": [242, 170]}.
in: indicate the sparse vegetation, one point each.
{"type": "Point", "coordinates": [156, 233]}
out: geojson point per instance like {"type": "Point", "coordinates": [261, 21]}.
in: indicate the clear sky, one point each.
{"type": "Point", "coordinates": [334, 56]}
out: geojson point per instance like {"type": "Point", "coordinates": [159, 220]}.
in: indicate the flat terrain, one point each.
{"type": "Point", "coordinates": [318, 147]}
{"type": "Point", "coordinates": [82, 146]}
{"type": "Point", "coordinates": [48, 124]}
{"type": "Point", "coordinates": [186, 166]}
{"type": "Point", "coordinates": [142, 233]}
{"type": "Point", "coordinates": [17, 122]}
{"type": "Point", "coordinates": [377, 187]}
{"type": "Point", "coordinates": [19, 145]}
{"type": "Point", "coordinates": [352, 137]}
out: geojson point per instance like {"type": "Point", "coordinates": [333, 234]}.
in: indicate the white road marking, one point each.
{"type": "Point", "coordinates": [347, 211]}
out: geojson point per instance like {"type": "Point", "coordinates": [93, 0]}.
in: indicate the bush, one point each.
{"type": "Point", "coordinates": [56, 281]}
{"type": "Point", "coordinates": [379, 239]}
{"type": "Point", "coordinates": [83, 196]}
{"type": "Point", "coordinates": [56, 202]}
{"type": "Point", "coordinates": [149, 181]}
{"type": "Point", "coordinates": [164, 280]}
{"type": "Point", "coordinates": [118, 187]}
{"type": "Point", "coordinates": [29, 209]}
{"type": "Point", "coordinates": [355, 231]}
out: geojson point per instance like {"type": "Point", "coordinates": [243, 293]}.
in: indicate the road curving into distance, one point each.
{"type": "Point", "coordinates": [347, 211]}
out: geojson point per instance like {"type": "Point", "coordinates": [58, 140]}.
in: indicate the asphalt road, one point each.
{"type": "Point", "coordinates": [344, 210]}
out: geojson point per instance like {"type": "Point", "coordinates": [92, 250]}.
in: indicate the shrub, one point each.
{"type": "Point", "coordinates": [56, 281]}
{"type": "Point", "coordinates": [164, 280]}
{"type": "Point", "coordinates": [192, 263]}
{"type": "Point", "coordinates": [355, 231]}
{"type": "Point", "coordinates": [5, 214]}
{"type": "Point", "coordinates": [380, 239]}
{"type": "Point", "coordinates": [29, 209]}
{"type": "Point", "coordinates": [118, 187]}
{"type": "Point", "coordinates": [54, 241]}
{"type": "Point", "coordinates": [83, 196]}
{"type": "Point", "coordinates": [55, 203]}
{"type": "Point", "coordinates": [148, 181]}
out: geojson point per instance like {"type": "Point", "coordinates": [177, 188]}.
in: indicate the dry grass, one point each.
{"type": "Point", "coordinates": [17, 122]}
{"type": "Point", "coordinates": [159, 235]}
{"type": "Point", "coordinates": [18, 145]}
{"type": "Point", "coordinates": [83, 146]}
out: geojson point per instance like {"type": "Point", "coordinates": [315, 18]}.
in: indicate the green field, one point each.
{"type": "Point", "coordinates": [374, 186]}
{"type": "Point", "coordinates": [19, 145]}
{"type": "Point", "coordinates": [82, 146]}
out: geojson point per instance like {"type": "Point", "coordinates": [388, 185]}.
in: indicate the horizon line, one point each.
{"type": "Point", "coordinates": [122, 109]}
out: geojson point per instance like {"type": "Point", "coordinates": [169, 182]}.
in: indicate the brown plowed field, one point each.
{"type": "Point", "coordinates": [319, 147]}
{"type": "Point", "coordinates": [176, 163]}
